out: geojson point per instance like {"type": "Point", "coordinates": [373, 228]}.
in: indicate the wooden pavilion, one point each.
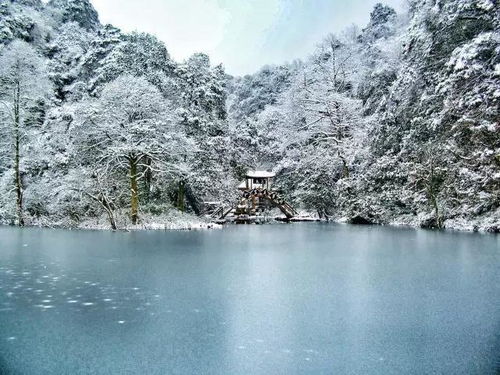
{"type": "Point", "coordinates": [257, 196]}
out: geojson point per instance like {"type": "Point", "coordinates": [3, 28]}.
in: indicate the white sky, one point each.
{"type": "Point", "coordinates": [241, 34]}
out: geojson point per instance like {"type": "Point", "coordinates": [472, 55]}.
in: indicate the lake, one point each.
{"type": "Point", "coordinates": [304, 298]}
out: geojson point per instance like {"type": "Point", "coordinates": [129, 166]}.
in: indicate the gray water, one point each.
{"type": "Point", "coordinates": [275, 299]}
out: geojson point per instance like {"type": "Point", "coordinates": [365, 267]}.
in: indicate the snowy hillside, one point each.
{"type": "Point", "coordinates": [396, 122]}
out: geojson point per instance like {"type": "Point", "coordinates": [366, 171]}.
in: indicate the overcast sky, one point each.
{"type": "Point", "coordinates": [241, 34]}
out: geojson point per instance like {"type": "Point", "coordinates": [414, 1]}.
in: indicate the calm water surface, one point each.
{"type": "Point", "coordinates": [274, 299]}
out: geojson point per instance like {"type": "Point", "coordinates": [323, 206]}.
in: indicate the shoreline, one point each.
{"type": "Point", "coordinates": [462, 226]}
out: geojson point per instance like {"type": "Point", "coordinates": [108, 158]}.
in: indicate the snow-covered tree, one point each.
{"type": "Point", "coordinates": [67, 50]}
{"type": "Point", "coordinates": [202, 110]}
{"type": "Point", "coordinates": [80, 11]}
{"type": "Point", "coordinates": [130, 129]}
{"type": "Point", "coordinates": [138, 54]}
{"type": "Point", "coordinates": [23, 83]}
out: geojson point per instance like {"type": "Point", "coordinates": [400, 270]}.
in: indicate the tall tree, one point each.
{"type": "Point", "coordinates": [23, 81]}
{"type": "Point", "coordinates": [130, 128]}
{"type": "Point", "coordinates": [202, 108]}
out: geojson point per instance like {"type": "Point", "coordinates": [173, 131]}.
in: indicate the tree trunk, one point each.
{"type": "Point", "coordinates": [344, 165]}
{"type": "Point", "coordinates": [134, 191]}
{"type": "Point", "coordinates": [148, 179]}
{"type": "Point", "coordinates": [108, 207]}
{"type": "Point", "coordinates": [432, 191]}
{"type": "Point", "coordinates": [17, 157]}
{"type": "Point", "coordinates": [111, 218]}
{"type": "Point", "coordinates": [439, 219]}
{"type": "Point", "coordinates": [181, 206]}
{"type": "Point", "coordinates": [109, 210]}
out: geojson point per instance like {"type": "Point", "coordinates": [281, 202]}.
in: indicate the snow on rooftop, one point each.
{"type": "Point", "coordinates": [260, 174]}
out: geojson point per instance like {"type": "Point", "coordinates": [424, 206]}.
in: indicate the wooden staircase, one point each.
{"type": "Point", "coordinates": [271, 196]}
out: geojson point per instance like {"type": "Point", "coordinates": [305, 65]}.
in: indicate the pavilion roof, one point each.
{"type": "Point", "coordinates": [260, 174]}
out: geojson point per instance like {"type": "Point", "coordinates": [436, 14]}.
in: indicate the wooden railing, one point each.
{"type": "Point", "coordinates": [273, 197]}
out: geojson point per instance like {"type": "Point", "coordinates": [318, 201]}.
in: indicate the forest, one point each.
{"type": "Point", "coordinates": [393, 122]}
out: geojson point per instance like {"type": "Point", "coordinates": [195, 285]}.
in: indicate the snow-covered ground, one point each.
{"type": "Point", "coordinates": [172, 220]}
{"type": "Point", "coordinates": [175, 220]}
